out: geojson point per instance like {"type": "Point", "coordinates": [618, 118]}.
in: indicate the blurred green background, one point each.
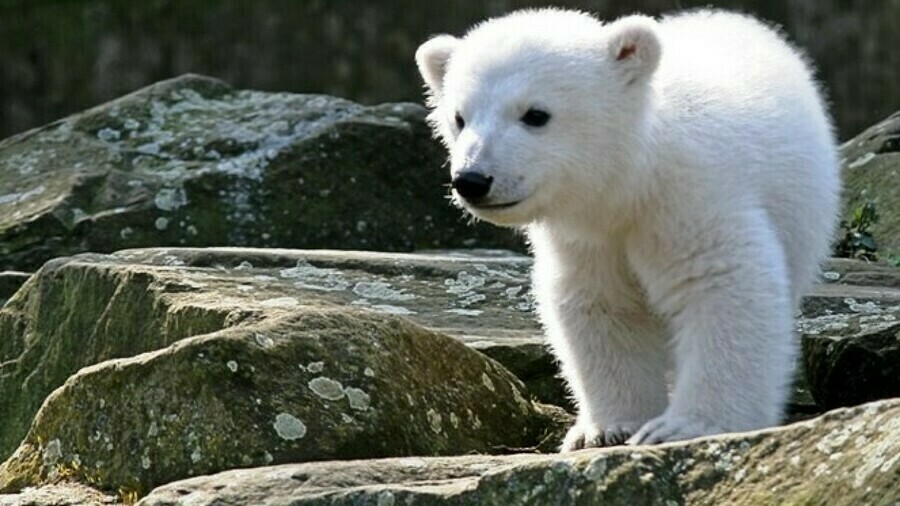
{"type": "Point", "coordinates": [62, 56]}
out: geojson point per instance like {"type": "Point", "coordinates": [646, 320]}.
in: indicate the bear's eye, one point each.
{"type": "Point", "coordinates": [460, 122]}
{"type": "Point", "coordinates": [535, 117]}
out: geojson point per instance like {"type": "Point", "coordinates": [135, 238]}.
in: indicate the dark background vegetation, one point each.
{"type": "Point", "coordinates": [61, 56]}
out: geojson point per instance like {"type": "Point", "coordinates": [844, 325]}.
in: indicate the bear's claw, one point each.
{"type": "Point", "coordinates": [665, 428]}
{"type": "Point", "coordinates": [580, 437]}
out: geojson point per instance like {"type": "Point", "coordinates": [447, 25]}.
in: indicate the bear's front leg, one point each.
{"type": "Point", "coordinates": [728, 303]}
{"type": "Point", "coordinates": [615, 366]}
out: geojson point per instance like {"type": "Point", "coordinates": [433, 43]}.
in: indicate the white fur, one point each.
{"type": "Point", "coordinates": [678, 203]}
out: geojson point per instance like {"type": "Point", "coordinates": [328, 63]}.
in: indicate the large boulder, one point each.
{"type": "Point", "coordinates": [88, 309]}
{"type": "Point", "coordinates": [194, 162]}
{"type": "Point", "coordinates": [847, 457]}
{"type": "Point", "coordinates": [248, 357]}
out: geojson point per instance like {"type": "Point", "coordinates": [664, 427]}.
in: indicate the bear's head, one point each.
{"type": "Point", "coordinates": [542, 111]}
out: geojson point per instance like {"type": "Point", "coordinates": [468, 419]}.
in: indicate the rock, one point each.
{"type": "Point", "coordinates": [847, 457]}
{"type": "Point", "coordinates": [854, 366]}
{"type": "Point", "coordinates": [835, 302]}
{"type": "Point", "coordinates": [59, 494]}
{"type": "Point", "coordinates": [530, 360]}
{"type": "Point", "coordinates": [846, 271]}
{"type": "Point", "coordinates": [871, 161]}
{"type": "Point", "coordinates": [10, 281]}
{"type": "Point", "coordinates": [849, 342]}
{"type": "Point", "coordinates": [482, 300]}
{"type": "Point", "coordinates": [239, 358]}
{"type": "Point", "coordinates": [853, 291]}
{"type": "Point", "coordinates": [194, 162]}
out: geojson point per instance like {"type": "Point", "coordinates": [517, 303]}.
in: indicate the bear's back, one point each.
{"type": "Point", "coordinates": [730, 66]}
{"type": "Point", "coordinates": [741, 111]}
{"type": "Point", "coordinates": [727, 79]}
{"type": "Point", "coordinates": [717, 49]}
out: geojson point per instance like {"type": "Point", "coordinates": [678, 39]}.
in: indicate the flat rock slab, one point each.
{"type": "Point", "coordinates": [247, 357]}
{"type": "Point", "coordinates": [847, 457]}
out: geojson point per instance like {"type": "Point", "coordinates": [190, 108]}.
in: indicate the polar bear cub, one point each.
{"type": "Point", "coordinates": [678, 183]}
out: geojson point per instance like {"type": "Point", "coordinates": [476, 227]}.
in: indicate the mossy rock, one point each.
{"type": "Point", "coordinates": [228, 339]}
{"type": "Point", "coordinates": [193, 162]}
{"type": "Point", "coordinates": [81, 311]}
{"type": "Point", "coordinates": [75, 313]}
{"type": "Point", "coordinates": [235, 358]}
{"type": "Point", "coordinates": [871, 165]}
{"type": "Point", "coordinates": [320, 383]}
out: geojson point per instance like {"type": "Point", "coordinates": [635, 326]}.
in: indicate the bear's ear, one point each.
{"type": "Point", "coordinates": [634, 47]}
{"type": "Point", "coordinates": [432, 58]}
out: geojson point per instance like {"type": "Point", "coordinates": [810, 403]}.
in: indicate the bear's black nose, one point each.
{"type": "Point", "coordinates": [472, 185]}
